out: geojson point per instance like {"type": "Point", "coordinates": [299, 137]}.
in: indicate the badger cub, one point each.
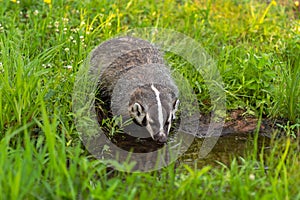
{"type": "Point", "coordinates": [134, 82]}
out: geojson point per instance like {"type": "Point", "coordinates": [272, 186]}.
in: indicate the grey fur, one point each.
{"type": "Point", "coordinates": [127, 67]}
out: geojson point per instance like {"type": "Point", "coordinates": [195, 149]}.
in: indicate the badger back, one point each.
{"type": "Point", "coordinates": [115, 57]}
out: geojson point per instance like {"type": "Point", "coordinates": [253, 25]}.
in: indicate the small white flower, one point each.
{"type": "Point", "coordinates": [56, 24]}
{"type": "Point", "coordinates": [252, 177]}
{"type": "Point", "coordinates": [46, 66]}
{"type": "Point", "coordinates": [36, 12]}
{"type": "Point", "coordinates": [67, 49]}
{"type": "Point", "coordinates": [65, 20]}
{"type": "Point", "coordinates": [75, 30]}
{"type": "Point", "coordinates": [1, 68]}
{"type": "Point", "coordinates": [68, 66]}
{"type": "Point", "coordinates": [81, 38]}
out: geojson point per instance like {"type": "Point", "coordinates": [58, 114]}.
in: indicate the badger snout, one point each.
{"type": "Point", "coordinates": [161, 137]}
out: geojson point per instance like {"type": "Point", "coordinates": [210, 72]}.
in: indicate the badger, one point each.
{"type": "Point", "coordinates": [134, 82]}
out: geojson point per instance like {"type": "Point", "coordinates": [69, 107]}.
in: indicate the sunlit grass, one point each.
{"type": "Point", "coordinates": [42, 46]}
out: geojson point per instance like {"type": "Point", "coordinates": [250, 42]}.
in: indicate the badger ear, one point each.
{"type": "Point", "coordinates": [175, 108]}
{"type": "Point", "coordinates": [137, 112]}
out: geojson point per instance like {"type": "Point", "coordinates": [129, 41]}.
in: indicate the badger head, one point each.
{"type": "Point", "coordinates": [154, 108]}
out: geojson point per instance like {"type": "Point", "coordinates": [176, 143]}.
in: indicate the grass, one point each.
{"type": "Point", "coordinates": [42, 46]}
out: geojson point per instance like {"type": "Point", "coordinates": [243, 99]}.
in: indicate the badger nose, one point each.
{"type": "Point", "coordinates": [160, 137]}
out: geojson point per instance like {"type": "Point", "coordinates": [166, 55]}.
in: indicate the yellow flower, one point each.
{"type": "Point", "coordinates": [47, 1]}
{"type": "Point", "coordinates": [296, 3]}
{"type": "Point", "coordinates": [15, 1]}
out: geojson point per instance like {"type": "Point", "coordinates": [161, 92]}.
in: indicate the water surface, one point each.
{"type": "Point", "coordinates": [227, 147]}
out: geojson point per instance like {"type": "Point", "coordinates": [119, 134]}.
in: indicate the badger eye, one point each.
{"type": "Point", "coordinates": [144, 121]}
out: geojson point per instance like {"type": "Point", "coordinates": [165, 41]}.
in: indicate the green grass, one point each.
{"type": "Point", "coordinates": [256, 48]}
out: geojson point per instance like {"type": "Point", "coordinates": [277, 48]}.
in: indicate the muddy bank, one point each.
{"type": "Point", "coordinates": [237, 122]}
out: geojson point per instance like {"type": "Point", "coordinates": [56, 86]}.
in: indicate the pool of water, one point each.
{"type": "Point", "coordinates": [227, 147]}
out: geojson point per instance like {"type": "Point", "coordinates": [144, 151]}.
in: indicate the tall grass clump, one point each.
{"type": "Point", "coordinates": [287, 99]}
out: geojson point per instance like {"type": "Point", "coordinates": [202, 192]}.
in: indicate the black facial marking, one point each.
{"type": "Point", "coordinates": [136, 122]}
{"type": "Point", "coordinates": [144, 121]}
{"type": "Point", "coordinates": [167, 123]}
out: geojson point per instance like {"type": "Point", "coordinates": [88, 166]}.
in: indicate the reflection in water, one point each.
{"type": "Point", "coordinates": [227, 147]}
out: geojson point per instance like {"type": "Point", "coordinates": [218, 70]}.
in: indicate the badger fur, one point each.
{"type": "Point", "coordinates": [135, 83]}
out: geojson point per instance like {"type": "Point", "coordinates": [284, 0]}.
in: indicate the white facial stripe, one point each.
{"type": "Point", "coordinates": [149, 128]}
{"type": "Point", "coordinates": [170, 121]}
{"type": "Point", "coordinates": [159, 108]}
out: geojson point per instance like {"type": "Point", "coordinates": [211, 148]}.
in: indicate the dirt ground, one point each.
{"type": "Point", "coordinates": [239, 122]}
